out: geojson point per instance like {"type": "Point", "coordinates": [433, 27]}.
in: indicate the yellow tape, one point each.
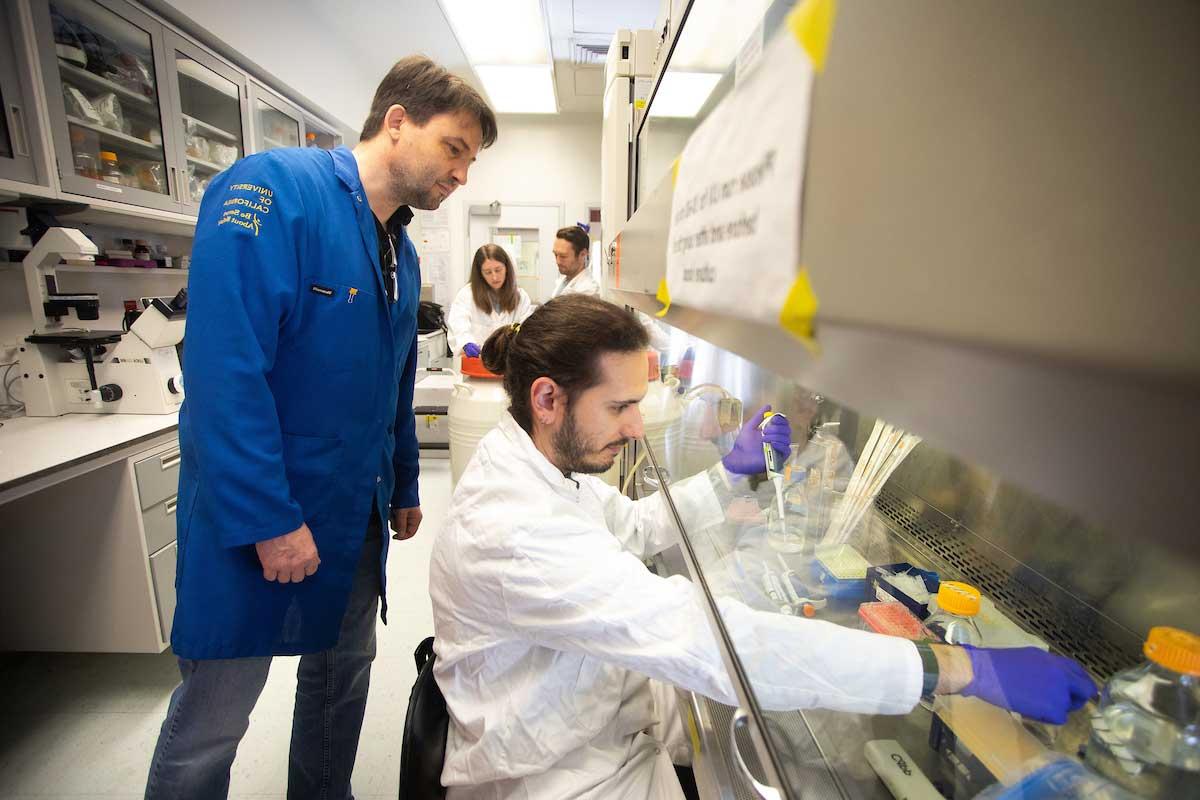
{"type": "Point", "coordinates": [693, 731]}
{"type": "Point", "coordinates": [811, 22]}
{"type": "Point", "coordinates": [800, 309]}
{"type": "Point", "coordinates": [675, 171]}
{"type": "Point", "coordinates": [663, 296]}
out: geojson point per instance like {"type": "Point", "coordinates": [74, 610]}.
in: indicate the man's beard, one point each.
{"type": "Point", "coordinates": [418, 192]}
{"type": "Point", "coordinates": [573, 452]}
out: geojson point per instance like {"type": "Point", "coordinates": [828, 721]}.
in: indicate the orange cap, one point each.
{"type": "Point", "coordinates": [958, 598]}
{"type": "Point", "coordinates": [474, 367]}
{"type": "Point", "coordinates": [108, 155]}
{"type": "Point", "coordinates": [1175, 649]}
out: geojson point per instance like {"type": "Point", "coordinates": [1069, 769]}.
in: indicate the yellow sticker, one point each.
{"type": "Point", "coordinates": [639, 104]}
{"type": "Point", "coordinates": [800, 309]}
{"type": "Point", "coordinates": [675, 171]}
{"type": "Point", "coordinates": [811, 22]}
{"type": "Point", "coordinates": [664, 296]}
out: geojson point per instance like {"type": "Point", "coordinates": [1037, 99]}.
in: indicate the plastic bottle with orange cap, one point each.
{"type": "Point", "coordinates": [1146, 728]}
{"type": "Point", "coordinates": [954, 620]}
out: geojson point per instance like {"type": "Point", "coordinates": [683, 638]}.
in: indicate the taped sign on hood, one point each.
{"type": "Point", "coordinates": [734, 240]}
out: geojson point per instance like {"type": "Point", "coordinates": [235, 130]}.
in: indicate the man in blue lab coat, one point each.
{"type": "Point", "coordinates": [298, 435]}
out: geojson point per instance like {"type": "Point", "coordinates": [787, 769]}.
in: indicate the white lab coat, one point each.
{"type": "Point", "coordinates": [468, 323]}
{"type": "Point", "coordinates": [583, 283]}
{"type": "Point", "coordinates": [548, 624]}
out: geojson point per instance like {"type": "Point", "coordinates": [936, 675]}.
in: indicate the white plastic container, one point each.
{"type": "Point", "coordinates": [1145, 729]}
{"type": "Point", "coordinates": [476, 405]}
{"type": "Point", "coordinates": [662, 413]}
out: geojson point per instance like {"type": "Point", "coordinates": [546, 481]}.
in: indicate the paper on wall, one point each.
{"type": "Point", "coordinates": [435, 219]}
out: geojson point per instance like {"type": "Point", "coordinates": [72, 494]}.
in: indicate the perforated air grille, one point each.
{"type": "Point", "coordinates": [1038, 605]}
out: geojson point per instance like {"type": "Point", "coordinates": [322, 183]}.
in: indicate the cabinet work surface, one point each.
{"type": "Point", "coordinates": [32, 447]}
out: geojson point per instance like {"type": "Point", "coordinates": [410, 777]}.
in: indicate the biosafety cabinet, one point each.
{"type": "Point", "coordinates": [1001, 385]}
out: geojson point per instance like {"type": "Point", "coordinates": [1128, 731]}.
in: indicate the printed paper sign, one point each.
{"type": "Point", "coordinates": [734, 241]}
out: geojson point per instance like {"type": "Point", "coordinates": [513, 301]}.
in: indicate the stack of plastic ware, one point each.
{"type": "Point", "coordinates": [887, 447]}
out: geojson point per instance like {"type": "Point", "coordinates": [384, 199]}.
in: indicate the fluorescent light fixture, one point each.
{"type": "Point", "coordinates": [519, 89]}
{"type": "Point", "coordinates": [682, 94]}
{"type": "Point", "coordinates": [714, 33]}
{"type": "Point", "coordinates": [500, 31]}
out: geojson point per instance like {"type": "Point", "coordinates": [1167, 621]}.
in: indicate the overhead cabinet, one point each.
{"type": "Point", "coordinates": [211, 105]}
{"type": "Point", "coordinates": [104, 63]}
{"type": "Point", "coordinates": [138, 112]}
{"type": "Point", "coordinates": [18, 117]}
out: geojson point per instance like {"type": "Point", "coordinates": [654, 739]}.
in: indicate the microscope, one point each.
{"type": "Point", "coordinates": [69, 370]}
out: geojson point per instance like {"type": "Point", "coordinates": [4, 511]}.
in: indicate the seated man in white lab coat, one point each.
{"type": "Point", "coordinates": [549, 628]}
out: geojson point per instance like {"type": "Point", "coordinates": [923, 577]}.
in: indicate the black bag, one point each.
{"type": "Point", "coordinates": [430, 317]}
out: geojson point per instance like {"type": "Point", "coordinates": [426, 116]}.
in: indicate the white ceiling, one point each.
{"type": "Point", "coordinates": [335, 53]}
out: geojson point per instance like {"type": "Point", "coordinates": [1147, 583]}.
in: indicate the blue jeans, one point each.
{"type": "Point", "coordinates": [210, 709]}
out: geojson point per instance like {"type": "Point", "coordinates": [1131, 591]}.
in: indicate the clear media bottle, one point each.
{"type": "Point", "coordinates": [954, 619]}
{"type": "Point", "coordinates": [109, 171]}
{"type": "Point", "coordinates": [1146, 730]}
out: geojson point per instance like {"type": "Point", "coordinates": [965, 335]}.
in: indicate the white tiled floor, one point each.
{"type": "Point", "coordinates": [82, 726]}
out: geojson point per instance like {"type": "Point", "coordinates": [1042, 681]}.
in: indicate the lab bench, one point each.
{"type": "Point", "coordinates": [87, 532]}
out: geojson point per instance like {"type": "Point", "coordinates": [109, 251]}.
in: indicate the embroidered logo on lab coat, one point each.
{"type": "Point", "coordinates": [247, 205]}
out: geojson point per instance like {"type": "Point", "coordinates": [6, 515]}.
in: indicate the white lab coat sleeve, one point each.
{"type": "Point", "coordinates": [458, 324]}
{"type": "Point", "coordinates": [645, 527]}
{"type": "Point", "coordinates": [524, 306]}
{"type": "Point", "coordinates": [578, 592]}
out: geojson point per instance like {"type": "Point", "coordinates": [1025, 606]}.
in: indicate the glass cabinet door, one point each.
{"type": "Point", "coordinates": [318, 134]}
{"type": "Point", "coordinates": [276, 123]}
{"type": "Point", "coordinates": [211, 103]}
{"type": "Point", "coordinates": [16, 131]}
{"type": "Point", "coordinates": [103, 60]}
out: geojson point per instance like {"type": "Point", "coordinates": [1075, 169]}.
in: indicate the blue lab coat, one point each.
{"type": "Point", "coordinates": [299, 379]}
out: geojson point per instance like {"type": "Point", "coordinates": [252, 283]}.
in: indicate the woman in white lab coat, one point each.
{"type": "Point", "coordinates": [489, 300]}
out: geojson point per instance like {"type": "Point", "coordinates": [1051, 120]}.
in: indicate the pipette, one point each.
{"type": "Point", "coordinates": [774, 469]}
{"type": "Point", "coordinates": [774, 589]}
{"type": "Point", "coordinates": [805, 605]}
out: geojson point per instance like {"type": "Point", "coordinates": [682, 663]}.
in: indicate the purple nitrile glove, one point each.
{"type": "Point", "coordinates": [471, 349]}
{"type": "Point", "coordinates": [746, 457]}
{"type": "Point", "coordinates": [1030, 681]}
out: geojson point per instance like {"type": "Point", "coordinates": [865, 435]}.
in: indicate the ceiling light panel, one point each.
{"type": "Point", "coordinates": [519, 89]}
{"type": "Point", "coordinates": [502, 32]}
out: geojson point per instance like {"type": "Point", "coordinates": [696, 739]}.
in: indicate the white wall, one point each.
{"type": "Point", "coordinates": [536, 159]}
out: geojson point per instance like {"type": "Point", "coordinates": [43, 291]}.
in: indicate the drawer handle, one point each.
{"type": "Point", "coordinates": [172, 504]}
{"type": "Point", "coordinates": [169, 460]}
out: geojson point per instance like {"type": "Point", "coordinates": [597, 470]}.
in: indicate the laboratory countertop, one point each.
{"type": "Point", "coordinates": [33, 446]}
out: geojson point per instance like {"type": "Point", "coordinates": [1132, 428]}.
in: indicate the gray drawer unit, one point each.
{"type": "Point", "coordinates": [157, 477]}
{"type": "Point", "coordinates": [162, 571]}
{"type": "Point", "coordinates": [159, 522]}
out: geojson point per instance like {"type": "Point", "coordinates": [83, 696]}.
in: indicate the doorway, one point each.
{"type": "Point", "coordinates": [526, 232]}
